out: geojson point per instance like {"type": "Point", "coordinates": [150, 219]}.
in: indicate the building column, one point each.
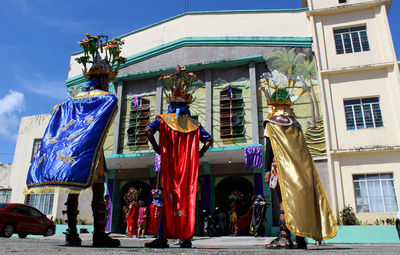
{"type": "Point", "coordinates": [206, 194]}
{"type": "Point", "coordinates": [209, 100]}
{"type": "Point", "coordinates": [115, 149]}
{"type": "Point", "coordinates": [254, 105]}
{"type": "Point", "coordinates": [110, 192]}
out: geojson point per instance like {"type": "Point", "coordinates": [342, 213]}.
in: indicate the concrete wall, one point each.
{"type": "Point", "coordinates": [213, 24]}
{"type": "Point", "coordinates": [30, 128]}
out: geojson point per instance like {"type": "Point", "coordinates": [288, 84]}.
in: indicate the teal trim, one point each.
{"type": "Point", "coordinates": [115, 214]}
{"type": "Point", "coordinates": [61, 228]}
{"type": "Point", "coordinates": [130, 155]}
{"type": "Point", "coordinates": [110, 174]}
{"type": "Point", "coordinates": [151, 171]}
{"type": "Point", "coordinates": [204, 13]}
{"type": "Point", "coordinates": [206, 168]}
{"type": "Point", "coordinates": [148, 154]}
{"type": "Point", "coordinates": [245, 41]}
{"type": "Point", "coordinates": [193, 67]}
{"type": "Point", "coordinates": [219, 41]}
{"type": "Point", "coordinates": [365, 234]}
{"type": "Point", "coordinates": [231, 148]}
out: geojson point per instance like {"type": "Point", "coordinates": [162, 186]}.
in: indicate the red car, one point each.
{"type": "Point", "coordinates": [24, 220]}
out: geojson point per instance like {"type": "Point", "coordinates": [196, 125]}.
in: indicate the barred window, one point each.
{"type": "Point", "coordinates": [36, 146]}
{"type": "Point", "coordinates": [375, 193]}
{"type": "Point", "coordinates": [5, 195]}
{"type": "Point", "coordinates": [43, 202]}
{"type": "Point", "coordinates": [139, 118]}
{"type": "Point", "coordinates": [231, 113]}
{"type": "Point", "coordinates": [363, 113]}
{"type": "Point", "coordinates": [349, 40]}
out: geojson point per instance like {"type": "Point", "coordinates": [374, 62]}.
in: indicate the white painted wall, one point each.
{"type": "Point", "coordinates": [31, 128]}
{"type": "Point", "coordinates": [322, 4]}
{"type": "Point", "coordinates": [277, 24]}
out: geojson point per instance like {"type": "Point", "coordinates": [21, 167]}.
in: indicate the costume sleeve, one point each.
{"type": "Point", "coordinates": [204, 135]}
{"type": "Point", "coordinates": [269, 155]}
{"type": "Point", "coordinates": [155, 125]}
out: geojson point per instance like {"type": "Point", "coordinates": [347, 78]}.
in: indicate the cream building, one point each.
{"type": "Point", "coordinates": [359, 80]}
{"type": "Point", "coordinates": [358, 86]}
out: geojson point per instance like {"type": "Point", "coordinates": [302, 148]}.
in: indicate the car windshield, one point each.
{"type": "Point", "coordinates": [3, 205]}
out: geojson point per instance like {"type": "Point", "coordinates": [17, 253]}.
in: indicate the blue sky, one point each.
{"type": "Point", "coordinates": [37, 38]}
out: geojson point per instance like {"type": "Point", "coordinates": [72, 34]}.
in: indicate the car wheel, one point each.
{"type": "Point", "coordinates": [7, 231]}
{"type": "Point", "coordinates": [49, 232]}
{"type": "Point", "coordinates": [22, 235]}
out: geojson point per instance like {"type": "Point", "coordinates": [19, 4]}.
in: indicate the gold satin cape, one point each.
{"type": "Point", "coordinates": [307, 210]}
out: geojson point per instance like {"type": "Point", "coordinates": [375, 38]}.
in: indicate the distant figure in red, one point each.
{"type": "Point", "coordinates": [142, 220]}
{"type": "Point", "coordinates": [155, 211]}
{"type": "Point", "coordinates": [132, 216]}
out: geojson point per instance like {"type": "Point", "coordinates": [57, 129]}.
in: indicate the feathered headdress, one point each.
{"type": "Point", "coordinates": [93, 47]}
{"type": "Point", "coordinates": [179, 85]}
{"type": "Point", "coordinates": [280, 95]}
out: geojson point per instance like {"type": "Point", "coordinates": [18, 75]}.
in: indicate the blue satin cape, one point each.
{"type": "Point", "coordinates": [73, 142]}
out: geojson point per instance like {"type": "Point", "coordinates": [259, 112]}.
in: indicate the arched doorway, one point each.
{"type": "Point", "coordinates": [222, 201]}
{"type": "Point", "coordinates": [144, 189]}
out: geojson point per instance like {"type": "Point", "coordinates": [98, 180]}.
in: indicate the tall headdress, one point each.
{"type": "Point", "coordinates": [94, 47]}
{"type": "Point", "coordinates": [179, 86]}
{"type": "Point", "coordinates": [277, 95]}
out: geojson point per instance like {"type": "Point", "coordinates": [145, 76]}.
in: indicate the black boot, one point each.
{"type": "Point", "coordinates": [71, 235]}
{"type": "Point", "coordinates": [100, 237]}
{"type": "Point", "coordinates": [300, 243]}
{"type": "Point", "coordinates": [187, 243]}
{"type": "Point", "coordinates": [157, 243]}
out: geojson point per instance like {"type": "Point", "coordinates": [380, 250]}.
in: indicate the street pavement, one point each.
{"type": "Point", "coordinates": [230, 245]}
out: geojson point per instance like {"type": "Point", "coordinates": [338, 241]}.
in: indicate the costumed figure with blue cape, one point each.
{"type": "Point", "coordinates": [71, 156]}
{"type": "Point", "coordinates": [304, 207]}
{"type": "Point", "coordinates": [179, 149]}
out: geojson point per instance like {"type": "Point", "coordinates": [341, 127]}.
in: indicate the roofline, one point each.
{"type": "Point", "coordinates": [203, 13]}
{"type": "Point", "coordinates": [247, 41]}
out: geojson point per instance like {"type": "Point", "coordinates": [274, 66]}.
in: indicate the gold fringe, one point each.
{"type": "Point", "coordinates": [52, 189]}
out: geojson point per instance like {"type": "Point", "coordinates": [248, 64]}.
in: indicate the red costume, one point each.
{"type": "Point", "coordinates": [154, 218]}
{"type": "Point", "coordinates": [132, 218]}
{"type": "Point", "coordinates": [179, 172]}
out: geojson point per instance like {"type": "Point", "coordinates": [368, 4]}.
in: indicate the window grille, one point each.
{"type": "Point", "coordinates": [5, 195]}
{"type": "Point", "coordinates": [231, 113]}
{"type": "Point", "coordinates": [363, 113]}
{"type": "Point", "coordinates": [375, 193]}
{"type": "Point", "coordinates": [36, 146]}
{"type": "Point", "coordinates": [139, 118]}
{"type": "Point", "coordinates": [43, 202]}
{"type": "Point", "coordinates": [349, 40]}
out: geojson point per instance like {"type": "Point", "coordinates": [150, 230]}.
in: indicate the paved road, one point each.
{"type": "Point", "coordinates": [202, 245]}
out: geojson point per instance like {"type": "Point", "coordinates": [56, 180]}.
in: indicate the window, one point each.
{"type": "Point", "coordinates": [139, 118]}
{"type": "Point", "coordinates": [375, 193]}
{"type": "Point", "coordinates": [43, 202]}
{"type": "Point", "coordinates": [363, 113]}
{"type": "Point", "coordinates": [5, 195]}
{"type": "Point", "coordinates": [231, 113]}
{"type": "Point", "coordinates": [349, 40]}
{"type": "Point", "coordinates": [342, 1]}
{"type": "Point", "coordinates": [36, 147]}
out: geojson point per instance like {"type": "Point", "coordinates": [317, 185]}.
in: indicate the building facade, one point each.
{"type": "Point", "coordinates": [350, 119]}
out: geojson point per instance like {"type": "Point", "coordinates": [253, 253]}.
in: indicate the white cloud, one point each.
{"type": "Point", "coordinates": [37, 84]}
{"type": "Point", "coordinates": [10, 105]}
